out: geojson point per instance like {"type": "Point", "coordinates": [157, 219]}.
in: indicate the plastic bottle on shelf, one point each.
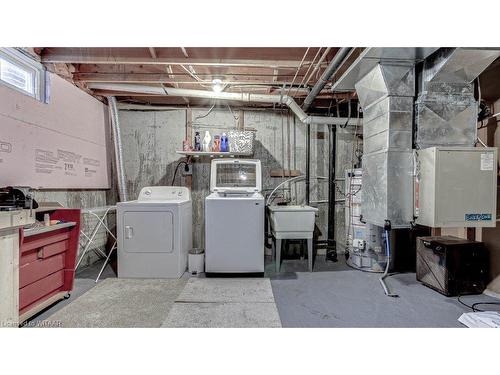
{"type": "Point", "coordinates": [206, 141]}
{"type": "Point", "coordinates": [216, 147]}
{"type": "Point", "coordinates": [197, 141]}
{"type": "Point", "coordinates": [224, 144]}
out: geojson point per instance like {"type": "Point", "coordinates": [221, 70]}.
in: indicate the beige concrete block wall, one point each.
{"type": "Point", "coordinates": [151, 139]}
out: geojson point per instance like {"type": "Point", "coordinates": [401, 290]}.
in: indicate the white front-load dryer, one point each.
{"type": "Point", "coordinates": [154, 233]}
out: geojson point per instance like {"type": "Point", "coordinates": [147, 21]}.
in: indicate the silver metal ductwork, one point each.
{"type": "Point", "coordinates": [446, 114]}
{"type": "Point", "coordinates": [386, 94]}
{"type": "Point", "coordinates": [384, 79]}
{"type": "Point", "coordinates": [116, 132]}
{"type": "Point", "coordinates": [446, 110]}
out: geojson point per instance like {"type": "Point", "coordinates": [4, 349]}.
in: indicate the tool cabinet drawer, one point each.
{"type": "Point", "coordinates": [40, 268]}
{"type": "Point", "coordinates": [37, 290]}
{"type": "Point", "coordinates": [53, 249]}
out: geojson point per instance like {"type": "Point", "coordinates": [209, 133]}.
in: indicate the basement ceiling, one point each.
{"type": "Point", "coordinates": [292, 71]}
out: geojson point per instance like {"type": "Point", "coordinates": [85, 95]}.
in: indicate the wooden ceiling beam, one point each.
{"type": "Point", "coordinates": [152, 52]}
{"type": "Point", "coordinates": [81, 58]}
{"type": "Point", "coordinates": [167, 78]}
{"type": "Point", "coordinates": [230, 75]}
{"type": "Point", "coordinates": [129, 94]}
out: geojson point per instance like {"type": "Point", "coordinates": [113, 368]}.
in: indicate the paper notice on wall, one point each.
{"type": "Point", "coordinates": [487, 161]}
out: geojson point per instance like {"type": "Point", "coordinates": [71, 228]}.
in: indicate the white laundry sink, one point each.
{"type": "Point", "coordinates": [292, 219]}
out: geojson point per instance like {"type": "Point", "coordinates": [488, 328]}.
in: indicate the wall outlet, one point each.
{"type": "Point", "coordinates": [187, 170]}
{"type": "Point", "coordinates": [359, 244]}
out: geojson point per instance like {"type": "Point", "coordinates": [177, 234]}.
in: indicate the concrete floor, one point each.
{"type": "Point", "coordinates": [122, 303]}
{"type": "Point", "coordinates": [84, 281]}
{"type": "Point", "coordinates": [226, 303]}
{"type": "Point", "coordinates": [334, 295]}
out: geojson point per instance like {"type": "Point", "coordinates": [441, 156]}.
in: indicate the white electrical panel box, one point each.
{"type": "Point", "coordinates": [456, 187]}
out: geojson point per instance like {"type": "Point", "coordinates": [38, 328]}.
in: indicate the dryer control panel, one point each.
{"type": "Point", "coordinates": [164, 193]}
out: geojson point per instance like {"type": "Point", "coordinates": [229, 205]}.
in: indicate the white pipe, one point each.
{"type": "Point", "coordinates": [235, 96]}
{"type": "Point", "coordinates": [480, 141]}
{"type": "Point", "coordinates": [296, 178]}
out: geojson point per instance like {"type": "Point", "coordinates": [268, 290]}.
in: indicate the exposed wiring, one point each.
{"type": "Point", "coordinates": [362, 269]}
{"type": "Point", "coordinates": [486, 119]}
{"type": "Point", "coordinates": [206, 114]}
{"type": "Point", "coordinates": [481, 142]}
{"type": "Point", "coordinates": [298, 70]}
{"type": "Point", "coordinates": [303, 82]}
{"type": "Point", "coordinates": [193, 74]}
{"type": "Point", "coordinates": [347, 195]}
{"type": "Point", "coordinates": [234, 116]}
{"type": "Point", "coordinates": [348, 114]}
{"type": "Point", "coordinates": [176, 168]}
{"type": "Point", "coordinates": [473, 306]}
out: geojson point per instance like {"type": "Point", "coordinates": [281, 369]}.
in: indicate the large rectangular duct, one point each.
{"type": "Point", "coordinates": [446, 110]}
{"type": "Point", "coordinates": [386, 94]}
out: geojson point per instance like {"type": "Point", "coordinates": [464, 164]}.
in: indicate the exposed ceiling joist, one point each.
{"type": "Point", "coordinates": [300, 94]}
{"type": "Point", "coordinates": [152, 52]}
{"type": "Point", "coordinates": [184, 52]}
{"type": "Point", "coordinates": [242, 69]}
{"type": "Point", "coordinates": [165, 78]}
{"type": "Point", "coordinates": [78, 58]}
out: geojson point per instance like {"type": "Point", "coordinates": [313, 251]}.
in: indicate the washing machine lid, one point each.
{"type": "Point", "coordinates": [235, 176]}
{"type": "Point", "coordinates": [172, 194]}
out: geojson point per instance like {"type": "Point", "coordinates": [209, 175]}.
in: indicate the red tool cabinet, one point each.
{"type": "Point", "coordinates": [47, 257]}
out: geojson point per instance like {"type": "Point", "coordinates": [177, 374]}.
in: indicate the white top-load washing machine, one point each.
{"type": "Point", "coordinates": [234, 217]}
{"type": "Point", "coordinates": [154, 233]}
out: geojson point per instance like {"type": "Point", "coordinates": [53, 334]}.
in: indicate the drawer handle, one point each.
{"type": "Point", "coordinates": [129, 232]}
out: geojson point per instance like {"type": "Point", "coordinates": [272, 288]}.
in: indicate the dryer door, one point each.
{"type": "Point", "coordinates": [148, 232]}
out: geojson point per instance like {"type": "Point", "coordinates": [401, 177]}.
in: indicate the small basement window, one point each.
{"type": "Point", "coordinates": [22, 73]}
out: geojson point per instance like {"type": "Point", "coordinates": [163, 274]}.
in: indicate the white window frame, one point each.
{"type": "Point", "coordinates": [22, 60]}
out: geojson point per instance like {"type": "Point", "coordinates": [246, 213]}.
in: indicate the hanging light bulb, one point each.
{"type": "Point", "coordinates": [217, 85]}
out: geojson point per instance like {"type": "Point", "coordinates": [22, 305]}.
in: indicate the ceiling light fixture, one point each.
{"type": "Point", "coordinates": [217, 85]}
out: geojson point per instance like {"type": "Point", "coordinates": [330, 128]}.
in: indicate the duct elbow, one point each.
{"type": "Point", "coordinates": [288, 100]}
